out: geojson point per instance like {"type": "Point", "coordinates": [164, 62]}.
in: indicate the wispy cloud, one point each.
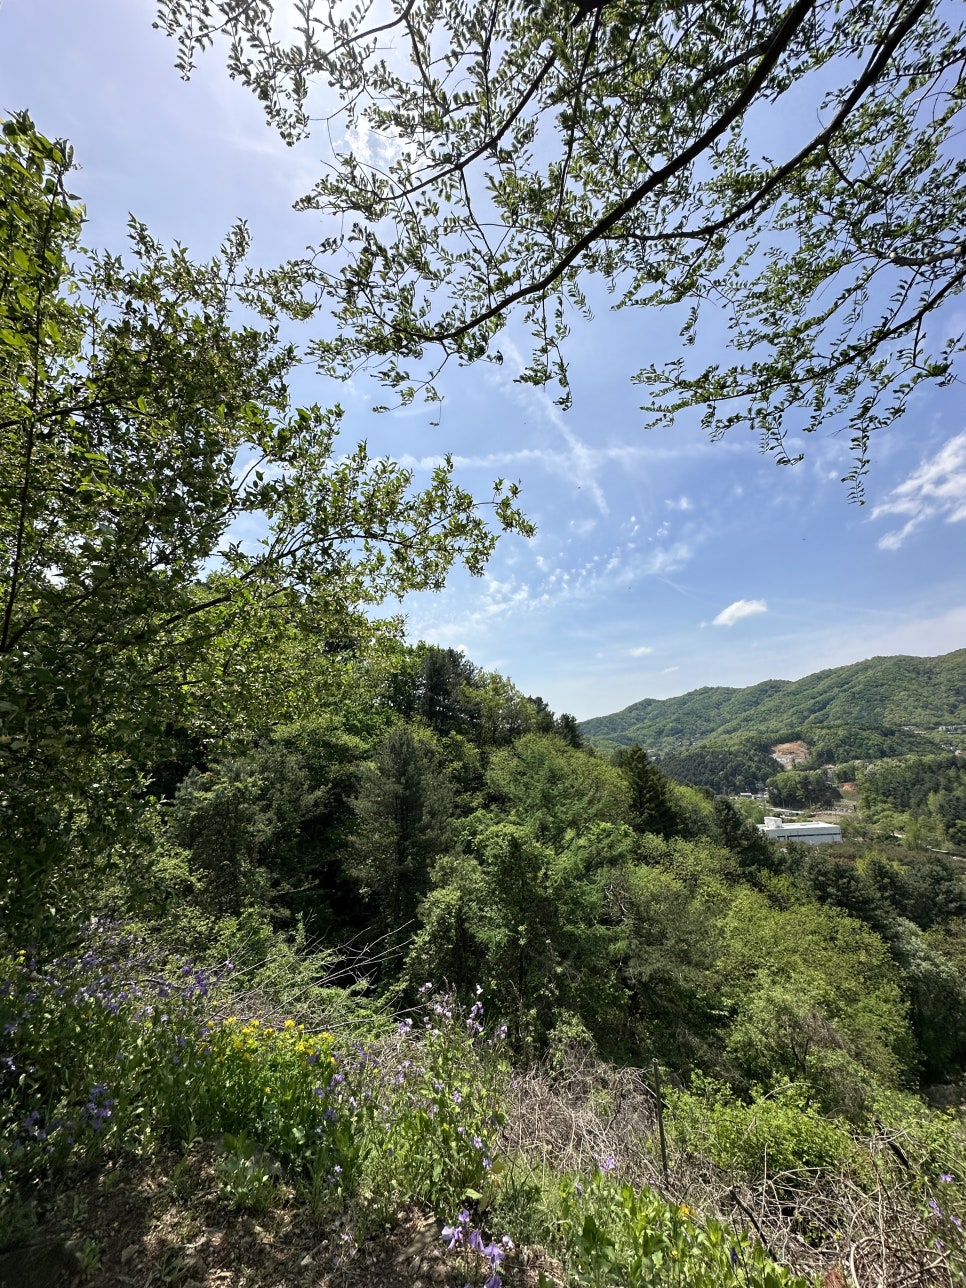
{"type": "Point", "coordinates": [667, 559]}
{"type": "Point", "coordinates": [549, 587]}
{"type": "Point", "coordinates": [739, 609]}
{"type": "Point", "coordinates": [581, 464]}
{"type": "Point", "coordinates": [582, 527]}
{"type": "Point", "coordinates": [937, 489]}
{"type": "Point", "coordinates": [682, 503]}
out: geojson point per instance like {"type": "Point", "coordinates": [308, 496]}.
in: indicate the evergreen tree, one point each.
{"type": "Point", "coordinates": [566, 727]}
{"type": "Point", "coordinates": [442, 677]}
{"type": "Point", "coordinates": [402, 806]}
{"type": "Point", "coordinates": [651, 806]}
{"type": "Point", "coordinates": [271, 824]}
{"type": "Point", "coordinates": [739, 835]}
{"type": "Point", "coordinates": [215, 818]}
{"type": "Point", "coordinates": [543, 718]}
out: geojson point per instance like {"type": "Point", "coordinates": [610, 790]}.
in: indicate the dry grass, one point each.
{"type": "Point", "coordinates": [864, 1228]}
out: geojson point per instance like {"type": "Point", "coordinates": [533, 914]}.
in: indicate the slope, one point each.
{"type": "Point", "coordinates": [882, 692]}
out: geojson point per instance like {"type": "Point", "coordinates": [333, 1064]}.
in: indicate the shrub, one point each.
{"type": "Point", "coordinates": [616, 1235]}
{"type": "Point", "coordinates": [772, 1134]}
{"type": "Point", "coordinates": [115, 1047]}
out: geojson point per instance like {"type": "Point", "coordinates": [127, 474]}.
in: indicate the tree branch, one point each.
{"type": "Point", "coordinates": [777, 45]}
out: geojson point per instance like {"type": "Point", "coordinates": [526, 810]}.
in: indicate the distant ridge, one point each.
{"type": "Point", "coordinates": [882, 692]}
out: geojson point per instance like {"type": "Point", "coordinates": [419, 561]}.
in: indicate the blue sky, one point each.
{"type": "Point", "coordinates": [662, 561]}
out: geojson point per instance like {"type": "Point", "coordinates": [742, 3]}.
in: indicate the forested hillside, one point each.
{"type": "Point", "coordinates": [436, 846]}
{"type": "Point", "coordinates": [881, 693]}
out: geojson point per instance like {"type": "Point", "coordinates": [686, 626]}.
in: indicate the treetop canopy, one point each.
{"type": "Point", "coordinates": [791, 167]}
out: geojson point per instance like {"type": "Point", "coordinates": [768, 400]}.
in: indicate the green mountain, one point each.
{"type": "Point", "coordinates": [882, 692]}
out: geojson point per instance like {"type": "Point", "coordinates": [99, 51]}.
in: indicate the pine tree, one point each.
{"type": "Point", "coordinates": [403, 806]}
{"type": "Point", "coordinates": [651, 807]}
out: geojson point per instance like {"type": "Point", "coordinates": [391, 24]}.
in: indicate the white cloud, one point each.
{"type": "Point", "coordinates": [669, 670]}
{"type": "Point", "coordinates": [937, 489]}
{"type": "Point", "coordinates": [548, 588]}
{"type": "Point", "coordinates": [739, 609]}
{"type": "Point", "coordinates": [682, 503]}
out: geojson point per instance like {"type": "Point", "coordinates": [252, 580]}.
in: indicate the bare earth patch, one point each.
{"type": "Point", "coordinates": [162, 1224]}
{"type": "Point", "coordinates": [790, 753]}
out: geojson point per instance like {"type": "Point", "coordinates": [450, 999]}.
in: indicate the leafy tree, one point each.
{"type": "Point", "coordinates": [566, 727]}
{"type": "Point", "coordinates": [217, 820]}
{"type": "Point", "coordinates": [443, 675]}
{"type": "Point", "coordinates": [543, 717]}
{"type": "Point", "coordinates": [454, 696]}
{"type": "Point", "coordinates": [524, 902]}
{"type": "Point", "coordinates": [527, 150]}
{"type": "Point", "coordinates": [935, 891]}
{"type": "Point", "coordinates": [499, 712]}
{"type": "Point", "coordinates": [524, 916]}
{"type": "Point", "coordinates": [815, 997]}
{"type": "Point", "coordinates": [926, 891]}
{"type": "Point", "coordinates": [140, 422]}
{"type": "Point", "coordinates": [450, 944]}
{"type": "Point", "coordinates": [797, 788]}
{"type": "Point", "coordinates": [726, 770]}
{"type": "Point", "coordinates": [693, 809]}
{"type": "Point", "coordinates": [839, 883]}
{"type": "Point", "coordinates": [937, 1002]}
{"type": "Point", "coordinates": [950, 809]}
{"type": "Point", "coordinates": [463, 765]}
{"type": "Point", "coordinates": [742, 837]}
{"type": "Point", "coordinates": [666, 951]}
{"type": "Point", "coordinates": [551, 788]}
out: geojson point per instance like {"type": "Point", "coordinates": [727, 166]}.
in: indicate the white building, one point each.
{"type": "Point", "coordinates": [776, 829]}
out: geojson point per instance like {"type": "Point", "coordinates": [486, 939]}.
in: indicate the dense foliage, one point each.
{"type": "Point", "coordinates": [794, 997]}
{"type": "Point", "coordinates": [140, 423]}
{"type": "Point", "coordinates": [518, 862]}
{"type": "Point", "coordinates": [727, 768]}
{"type": "Point", "coordinates": [929, 791]}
